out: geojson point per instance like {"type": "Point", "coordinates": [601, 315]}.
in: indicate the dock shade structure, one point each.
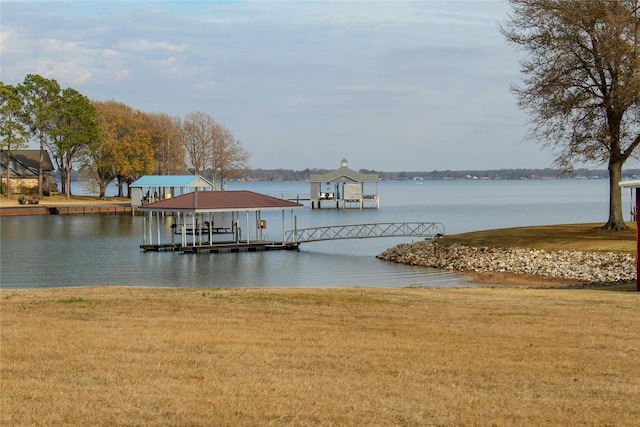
{"type": "Point", "coordinates": [151, 188]}
{"type": "Point", "coordinates": [635, 188]}
{"type": "Point", "coordinates": [344, 188]}
{"type": "Point", "coordinates": [214, 221]}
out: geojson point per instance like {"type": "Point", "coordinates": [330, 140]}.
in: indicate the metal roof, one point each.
{"type": "Point", "coordinates": [630, 184]}
{"type": "Point", "coordinates": [193, 181]}
{"type": "Point", "coordinates": [342, 174]}
{"type": "Point", "coordinates": [220, 201]}
{"type": "Point", "coordinates": [26, 163]}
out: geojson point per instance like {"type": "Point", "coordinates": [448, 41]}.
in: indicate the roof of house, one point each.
{"type": "Point", "coordinates": [26, 163]}
{"type": "Point", "coordinates": [630, 184]}
{"type": "Point", "coordinates": [192, 181]}
{"type": "Point", "coordinates": [220, 201]}
{"type": "Point", "coordinates": [343, 174]}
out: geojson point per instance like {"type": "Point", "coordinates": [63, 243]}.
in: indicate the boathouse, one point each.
{"type": "Point", "coordinates": [214, 221]}
{"type": "Point", "coordinates": [152, 188]}
{"type": "Point", "coordinates": [344, 188]}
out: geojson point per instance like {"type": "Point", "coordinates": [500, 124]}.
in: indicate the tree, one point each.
{"type": "Point", "coordinates": [13, 133]}
{"type": "Point", "coordinates": [198, 132]}
{"type": "Point", "coordinates": [99, 163]}
{"type": "Point", "coordinates": [74, 129]}
{"type": "Point", "coordinates": [124, 150]}
{"type": "Point", "coordinates": [228, 155]}
{"type": "Point", "coordinates": [166, 138]}
{"type": "Point", "coordinates": [582, 84]}
{"type": "Point", "coordinates": [38, 94]}
{"type": "Point", "coordinates": [135, 152]}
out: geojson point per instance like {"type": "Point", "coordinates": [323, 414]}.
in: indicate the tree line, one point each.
{"type": "Point", "coordinates": [437, 175]}
{"type": "Point", "coordinates": [110, 141]}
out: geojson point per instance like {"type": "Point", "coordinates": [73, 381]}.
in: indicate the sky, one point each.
{"type": "Point", "coordinates": [388, 85]}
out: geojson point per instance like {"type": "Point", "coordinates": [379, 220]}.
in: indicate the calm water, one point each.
{"type": "Point", "coordinates": [88, 250]}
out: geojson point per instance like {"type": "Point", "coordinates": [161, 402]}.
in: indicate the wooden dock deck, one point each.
{"type": "Point", "coordinates": [222, 247]}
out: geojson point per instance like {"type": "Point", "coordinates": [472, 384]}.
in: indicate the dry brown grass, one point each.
{"type": "Point", "coordinates": [358, 356]}
{"type": "Point", "coordinates": [571, 237]}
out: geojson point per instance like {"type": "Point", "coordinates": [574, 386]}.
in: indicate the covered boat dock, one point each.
{"type": "Point", "coordinates": [214, 221]}
{"type": "Point", "coordinates": [344, 188]}
{"type": "Point", "coordinates": [152, 188]}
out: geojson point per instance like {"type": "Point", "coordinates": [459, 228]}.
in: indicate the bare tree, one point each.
{"type": "Point", "coordinates": [197, 135]}
{"type": "Point", "coordinates": [228, 156]}
{"type": "Point", "coordinates": [582, 84]}
{"type": "Point", "coordinates": [166, 136]}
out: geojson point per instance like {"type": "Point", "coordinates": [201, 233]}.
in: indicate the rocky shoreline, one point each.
{"type": "Point", "coordinates": [585, 267]}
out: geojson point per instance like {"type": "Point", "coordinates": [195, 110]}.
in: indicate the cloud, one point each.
{"type": "Point", "coordinates": [390, 85]}
{"type": "Point", "coordinates": [144, 46]}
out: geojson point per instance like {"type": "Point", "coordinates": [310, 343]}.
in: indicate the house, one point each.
{"type": "Point", "coordinates": [345, 187]}
{"type": "Point", "coordinates": [24, 167]}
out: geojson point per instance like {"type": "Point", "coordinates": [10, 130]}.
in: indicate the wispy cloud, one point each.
{"type": "Point", "coordinates": [389, 84]}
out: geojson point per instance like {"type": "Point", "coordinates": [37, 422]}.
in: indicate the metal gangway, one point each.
{"type": "Point", "coordinates": [428, 230]}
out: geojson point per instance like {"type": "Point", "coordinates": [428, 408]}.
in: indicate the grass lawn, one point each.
{"type": "Point", "coordinates": [571, 237]}
{"type": "Point", "coordinates": [61, 200]}
{"type": "Point", "coordinates": [357, 356]}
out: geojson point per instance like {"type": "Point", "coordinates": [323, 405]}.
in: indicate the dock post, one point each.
{"type": "Point", "coordinates": [150, 231]}
{"type": "Point", "coordinates": [158, 223]}
{"type": "Point", "coordinates": [637, 241]}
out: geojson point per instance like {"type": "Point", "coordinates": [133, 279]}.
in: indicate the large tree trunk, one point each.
{"type": "Point", "coordinates": [67, 181]}
{"type": "Point", "coordinates": [9, 191]}
{"type": "Point", "coordinates": [40, 168]}
{"type": "Point", "coordinates": [102, 189]}
{"type": "Point", "coordinates": [120, 181]}
{"type": "Point", "coordinates": [616, 220]}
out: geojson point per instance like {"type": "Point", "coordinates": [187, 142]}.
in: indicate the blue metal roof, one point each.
{"type": "Point", "coordinates": [171, 181]}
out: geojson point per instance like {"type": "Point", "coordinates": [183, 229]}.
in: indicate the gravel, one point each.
{"type": "Point", "coordinates": [596, 267]}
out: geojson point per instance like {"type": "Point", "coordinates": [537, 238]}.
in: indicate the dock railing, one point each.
{"type": "Point", "coordinates": [428, 230]}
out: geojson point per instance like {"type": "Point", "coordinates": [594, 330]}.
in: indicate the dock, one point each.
{"type": "Point", "coordinates": [222, 247]}
{"type": "Point", "coordinates": [293, 238]}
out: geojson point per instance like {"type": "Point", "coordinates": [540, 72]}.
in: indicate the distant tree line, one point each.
{"type": "Point", "coordinates": [111, 141]}
{"type": "Point", "coordinates": [493, 174]}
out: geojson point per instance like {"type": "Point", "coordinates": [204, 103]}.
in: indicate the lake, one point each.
{"type": "Point", "coordinates": [76, 250]}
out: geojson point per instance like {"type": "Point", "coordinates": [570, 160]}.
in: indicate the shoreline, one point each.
{"type": "Point", "coordinates": [59, 205]}
{"type": "Point", "coordinates": [520, 267]}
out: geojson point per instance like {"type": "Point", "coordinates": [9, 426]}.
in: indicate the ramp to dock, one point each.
{"type": "Point", "coordinates": [427, 230]}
